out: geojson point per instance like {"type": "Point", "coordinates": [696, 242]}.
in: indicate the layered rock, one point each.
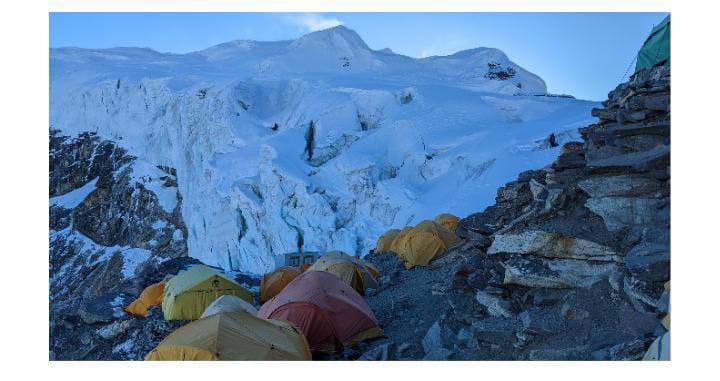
{"type": "Point", "coordinates": [570, 262]}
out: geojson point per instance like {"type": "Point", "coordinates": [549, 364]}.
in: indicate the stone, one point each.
{"type": "Point", "coordinates": [433, 339]}
{"type": "Point", "coordinates": [577, 353]}
{"type": "Point", "coordinates": [621, 212]}
{"type": "Point", "coordinates": [572, 313]}
{"type": "Point", "coordinates": [538, 190]}
{"type": "Point", "coordinates": [649, 261]}
{"type": "Point", "coordinates": [558, 273]}
{"type": "Point", "coordinates": [620, 185]}
{"type": "Point", "coordinates": [495, 331]}
{"type": "Point", "coordinates": [495, 306]}
{"type": "Point", "coordinates": [379, 353]}
{"type": "Point", "coordinates": [640, 161]}
{"type": "Point", "coordinates": [551, 245]}
{"type": "Point", "coordinates": [603, 114]}
{"type": "Point", "coordinates": [627, 351]}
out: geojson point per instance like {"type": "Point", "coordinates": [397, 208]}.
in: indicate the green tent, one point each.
{"type": "Point", "coordinates": [656, 49]}
{"type": "Point", "coordinates": [188, 294]}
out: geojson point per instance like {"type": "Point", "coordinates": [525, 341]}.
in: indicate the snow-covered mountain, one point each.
{"type": "Point", "coordinates": [318, 143]}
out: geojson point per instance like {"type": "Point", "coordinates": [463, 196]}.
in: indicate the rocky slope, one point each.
{"type": "Point", "coordinates": [569, 264]}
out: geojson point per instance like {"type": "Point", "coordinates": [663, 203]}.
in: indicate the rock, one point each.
{"type": "Point", "coordinates": [114, 329]}
{"type": "Point", "coordinates": [622, 212]}
{"type": "Point", "coordinates": [495, 331]}
{"type": "Point", "coordinates": [620, 185]}
{"type": "Point", "coordinates": [603, 114]}
{"type": "Point", "coordinates": [649, 261]}
{"type": "Point", "coordinates": [551, 245]}
{"type": "Point", "coordinates": [572, 313]}
{"type": "Point", "coordinates": [627, 351]}
{"type": "Point", "coordinates": [645, 296]}
{"type": "Point", "coordinates": [437, 355]}
{"type": "Point", "coordinates": [538, 190]}
{"type": "Point", "coordinates": [433, 339]}
{"type": "Point", "coordinates": [639, 161]}
{"type": "Point", "coordinates": [495, 306]}
{"type": "Point", "coordinates": [559, 273]}
{"type": "Point", "coordinates": [578, 353]}
{"type": "Point", "coordinates": [379, 353]}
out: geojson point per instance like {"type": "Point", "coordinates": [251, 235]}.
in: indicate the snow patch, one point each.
{"type": "Point", "coordinates": [73, 198]}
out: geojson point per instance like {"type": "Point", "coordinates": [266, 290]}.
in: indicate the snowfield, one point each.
{"type": "Point", "coordinates": [394, 139]}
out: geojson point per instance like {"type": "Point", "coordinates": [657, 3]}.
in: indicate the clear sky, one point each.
{"type": "Point", "coordinates": [583, 54]}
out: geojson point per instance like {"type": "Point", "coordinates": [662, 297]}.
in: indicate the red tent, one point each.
{"type": "Point", "coordinates": [325, 309]}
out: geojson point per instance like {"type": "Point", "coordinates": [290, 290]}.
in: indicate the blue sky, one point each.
{"type": "Point", "coordinates": [583, 54]}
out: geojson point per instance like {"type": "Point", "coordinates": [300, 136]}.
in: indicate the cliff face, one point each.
{"type": "Point", "coordinates": [570, 263]}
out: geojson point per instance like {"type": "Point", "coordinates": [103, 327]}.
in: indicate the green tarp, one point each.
{"type": "Point", "coordinates": [656, 49]}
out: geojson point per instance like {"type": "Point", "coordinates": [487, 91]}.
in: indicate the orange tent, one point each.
{"type": "Point", "coordinates": [352, 270]}
{"type": "Point", "coordinates": [152, 295]}
{"type": "Point", "coordinates": [325, 309]}
{"type": "Point", "coordinates": [272, 283]}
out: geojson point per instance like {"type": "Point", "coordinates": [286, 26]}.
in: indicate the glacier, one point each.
{"type": "Point", "coordinates": [314, 144]}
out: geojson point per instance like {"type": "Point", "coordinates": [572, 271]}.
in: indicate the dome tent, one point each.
{"type": "Point", "coordinates": [419, 245]}
{"type": "Point", "coordinates": [385, 240]}
{"type": "Point", "coordinates": [233, 336]}
{"type": "Point", "coordinates": [448, 220]}
{"type": "Point", "coordinates": [229, 303]}
{"type": "Point", "coordinates": [325, 309]}
{"type": "Point", "coordinates": [152, 295]}
{"type": "Point", "coordinates": [272, 283]}
{"type": "Point", "coordinates": [189, 293]}
{"type": "Point", "coordinates": [351, 270]}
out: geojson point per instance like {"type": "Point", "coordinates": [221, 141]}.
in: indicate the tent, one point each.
{"type": "Point", "coordinates": [190, 292]}
{"type": "Point", "coordinates": [152, 295]}
{"type": "Point", "coordinates": [233, 336]}
{"type": "Point", "coordinates": [656, 49]}
{"type": "Point", "coordinates": [419, 245]}
{"type": "Point", "coordinates": [325, 309]}
{"type": "Point", "coordinates": [272, 283]}
{"type": "Point", "coordinates": [352, 270]}
{"type": "Point", "coordinates": [395, 245]}
{"type": "Point", "coordinates": [448, 220]}
{"type": "Point", "coordinates": [304, 267]}
{"type": "Point", "coordinates": [229, 303]}
{"type": "Point", "coordinates": [385, 240]}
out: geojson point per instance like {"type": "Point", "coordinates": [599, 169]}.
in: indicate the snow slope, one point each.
{"type": "Point", "coordinates": [395, 139]}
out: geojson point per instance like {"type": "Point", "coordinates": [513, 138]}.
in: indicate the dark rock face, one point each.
{"type": "Point", "coordinates": [570, 262]}
{"type": "Point", "coordinates": [107, 245]}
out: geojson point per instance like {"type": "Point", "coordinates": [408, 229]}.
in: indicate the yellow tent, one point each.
{"type": "Point", "coordinates": [233, 336]}
{"type": "Point", "coordinates": [189, 293]}
{"type": "Point", "coordinates": [352, 270]}
{"type": "Point", "coordinates": [419, 245]}
{"type": "Point", "coordinates": [448, 220]}
{"type": "Point", "coordinates": [151, 296]}
{"type": "Point", "coordinates": [385, 240]}
{"type": "Point", "coordinates": [395, 245]}
{"type": "Point", "coordinates": [272, 283]}
{"type": "Point", "coordinates": [229, 303]}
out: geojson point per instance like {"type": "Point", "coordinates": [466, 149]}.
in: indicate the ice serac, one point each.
{"type": "Point", "coordinates": [320, 143]}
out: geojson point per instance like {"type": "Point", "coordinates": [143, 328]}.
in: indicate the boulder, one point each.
{"type": "Point", "coordinates": [621, 212]}
{"type": "Point", "coordinates": [551, 245]}
{"type": "Point", "coordinates": [620, 185]}
{"type": "Point", "coordinates": [495, 306]}
{"type": "Point", "coordinates": [558, 273]}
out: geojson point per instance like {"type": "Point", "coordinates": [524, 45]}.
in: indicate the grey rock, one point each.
{"type": "Point", "coordinates": [658, 156]}
{"type": "Point", "coordinates": [622, 212]}
{"type": "Point", "coordinates": [559, 273]}
{"type": "Point", "coordinates": [495, 306]}
{"type": "Point", "coordinates": [620, 185]}
{"type": "Point", "coordinates": [552, 245]}
{"type": "Point", "coordinates": [433, 339]}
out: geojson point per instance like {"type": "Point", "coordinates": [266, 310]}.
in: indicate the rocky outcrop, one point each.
{"type": "Point", "coordinates": [570, 262]}
{"type": "Point", "coordinates": [115, 227]}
